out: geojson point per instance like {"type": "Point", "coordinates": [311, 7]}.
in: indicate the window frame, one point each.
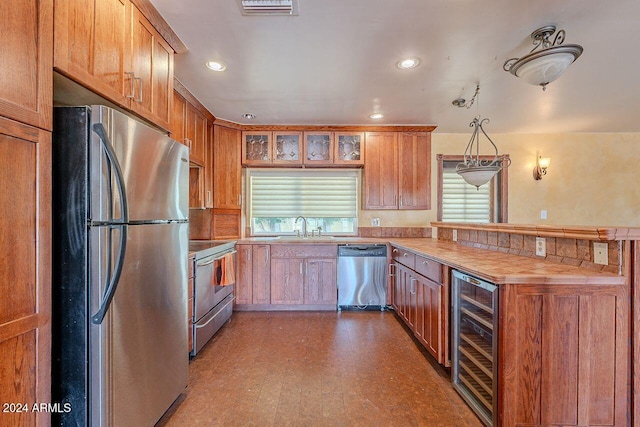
{"type": "Point", "coordinates": [249, 211]}
{"type": "Point", "coordinates": [502, 216]}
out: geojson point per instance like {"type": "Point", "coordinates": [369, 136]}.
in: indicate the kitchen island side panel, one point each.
{"type": "Point", "coordinates": [563, 355]}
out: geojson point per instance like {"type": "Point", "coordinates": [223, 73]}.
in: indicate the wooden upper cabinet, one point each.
{"type": "Point", "coordinates": [152, 67]}
{"type": "Point", "coordinates": [178, 115]}
{"type": "Point", "coordinates": [257, 148]}
{"type": "Point", "coordinates": [208, 166]}
{"type": "Point", "coordinates": [349, 148]}
{"type": "Point", "coordinates": [227, 171]}
{"type": "Point", "coordinates": [92, 45]}
{"type": "Point", "coordinates": [381, 171]}
{"type": "Point", "coordinates": [414, 169]}
{"type": "Point", "coordinates": [287, 148]}
{"type": "Point", "coordinates": [397, 173]}
{"type": "Point", "coordinates": [189, 127]}
{"type": "Point", "coordinates": [195, 134]}
{"type": "Point", "coordinates": [26, 80]}
{"type": "Point", "coordinates": [318, 148]}
{"type": "Point", "coordinates": [109, 47]}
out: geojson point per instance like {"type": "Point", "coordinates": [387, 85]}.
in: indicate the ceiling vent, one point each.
{"type": "Point", "coordinates": [269, 7]}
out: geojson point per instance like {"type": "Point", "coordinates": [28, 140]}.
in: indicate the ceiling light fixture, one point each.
{"type": "Point", "coordinates": [408, 63]}
{"type": "Point", "coordinates": [216, 66]}
{"type": "Point", "coordinates": [376, 116]}
{"type": "Point", "coordinates": [249, 116]}
{"type": "Point", "coordinates": [541, 67]}
{"type": "Point", "coordinates": [474, 169]}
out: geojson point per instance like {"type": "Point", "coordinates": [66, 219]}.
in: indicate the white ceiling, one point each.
{"type": "Point", "coordinates": [335, 63]}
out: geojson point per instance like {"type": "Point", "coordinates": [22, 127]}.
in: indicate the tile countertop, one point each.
{"type": "Point", "coordinates": [496, 267]}
{"type": "Point", "coordinates": [501, 268]}
{"type": "Point", "coordinates": [313, 240]}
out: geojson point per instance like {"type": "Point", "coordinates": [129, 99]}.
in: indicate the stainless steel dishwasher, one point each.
{"type": "Point", "coordinates": [361, 277]}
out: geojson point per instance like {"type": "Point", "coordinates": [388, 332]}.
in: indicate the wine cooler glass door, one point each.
{"type": "Point", "coordinates": [475, 343]}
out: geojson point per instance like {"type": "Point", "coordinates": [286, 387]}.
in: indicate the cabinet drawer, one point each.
{"type": "Point", "coordinates": [303, 251]}
{"type": "Point", "coordinates": [404, 257]}
{"type": "Point", "coordinates": [429, 268]}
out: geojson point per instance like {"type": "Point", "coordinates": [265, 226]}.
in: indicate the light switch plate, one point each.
{"type": "Point", "coordinates": [601, 253]}
{"type": "Point", "coordinates": [375, 222]}
{"type": "Point", "coordinates": [455, 235]}
{"type": "Point", "coordinates": [541, 246]}
{"type": "Point", "coordinates": [543, 214]}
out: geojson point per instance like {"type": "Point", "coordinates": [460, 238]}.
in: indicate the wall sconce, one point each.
{"type": "Point", "coordinates": [542, 163]}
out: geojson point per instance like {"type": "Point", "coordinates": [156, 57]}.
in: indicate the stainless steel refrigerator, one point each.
{"type": "Point", "coordinates": [120, 233]}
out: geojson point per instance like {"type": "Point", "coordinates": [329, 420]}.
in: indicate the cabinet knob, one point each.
{"type": "Point", "coordinates": [405, 254]}
{"type": "Point", "coordinates": [394, 250]}
{"type": "Point", "coordinates": [425, 262]}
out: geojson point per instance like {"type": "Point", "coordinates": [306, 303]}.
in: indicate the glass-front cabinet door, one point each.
{"type": "Point", "coordinates": [287, 148]}
{"type": "Point", "coordinates": [318, 148]}
{"type": "Point", "coordinates": [256, 148]}
{"type": "Point", "coordinates": [349, 148]}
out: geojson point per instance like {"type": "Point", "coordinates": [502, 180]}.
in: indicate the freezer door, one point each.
{"type": "Point", "coordinates": [155, 170]}
{"type": "Point", "coordinates": [138, 354]}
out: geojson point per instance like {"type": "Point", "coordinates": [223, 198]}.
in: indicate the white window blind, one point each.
{"type": "Point", "coordinates": [289, 193]}
{"type": "Point", "coordinates": [462, 202]}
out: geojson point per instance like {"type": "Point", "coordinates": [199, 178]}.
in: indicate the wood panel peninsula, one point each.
{"type": "Point", "coordinates": [563, 353]}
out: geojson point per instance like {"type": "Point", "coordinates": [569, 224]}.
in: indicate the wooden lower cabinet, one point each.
{"type": "Point", "coordinates": [25, 275]}
{"type": "Point", "coordinates": [428, 324]}
{"type": "Point", "coordinates": [253, 281]}
{"type": "Point", "coordinates": [320, 281]}
{"type": "Point", "coordinates": [418, 302]}
{"type": "Point", "coordinates": [286, 277]}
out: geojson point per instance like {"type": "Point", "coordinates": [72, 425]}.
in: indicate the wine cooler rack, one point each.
{"type": "Point", "coordinates": [475, 343]}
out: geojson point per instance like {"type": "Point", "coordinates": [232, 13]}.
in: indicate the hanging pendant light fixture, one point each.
{"type": "Point", "coordinates": [541, 67]}
{"type": "Point", "coordinates": [474, 169]}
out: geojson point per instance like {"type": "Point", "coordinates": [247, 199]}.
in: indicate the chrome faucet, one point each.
{"type": "Point", "coordinates": [304, 226]}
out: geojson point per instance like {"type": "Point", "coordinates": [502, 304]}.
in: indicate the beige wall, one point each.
{"type": "Point", "coordinates": [592, 180]}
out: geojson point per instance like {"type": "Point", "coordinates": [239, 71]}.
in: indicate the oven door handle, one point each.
{"type": "Point", "coordinates": [214, 316]}
{"type": "Point", "coordinates": [212, 260]}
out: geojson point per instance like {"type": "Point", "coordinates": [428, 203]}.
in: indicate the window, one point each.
{"type": "Point", "coordinates": [328, 199]}
{"type": "Point", "coordinates": [461, 202]}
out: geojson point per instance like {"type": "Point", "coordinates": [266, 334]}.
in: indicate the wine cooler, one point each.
{"type": "Point", "coordinates": [475, 340]}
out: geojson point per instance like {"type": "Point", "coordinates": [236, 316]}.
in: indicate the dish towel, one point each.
{"type": "Point", "coordinates": [228, 275]}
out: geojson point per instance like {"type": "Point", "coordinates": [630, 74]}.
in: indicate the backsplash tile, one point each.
{"type": "Point", "coordinates": [394, 231]}
{"type": "Point", "coordinates": [561, 250]}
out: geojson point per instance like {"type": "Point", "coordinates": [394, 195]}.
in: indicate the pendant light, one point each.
{"type": "Point", "coordinates": [474, 169]}
{"type": "Point", "coordinates": [547, 60]}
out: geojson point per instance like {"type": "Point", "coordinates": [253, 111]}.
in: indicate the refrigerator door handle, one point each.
{"type": "Point", "coordinates": [113, 282]}
{"type": "Point", "coordinates": [110, 291]}
{"type": "Point", "coordinates": [98, 128]}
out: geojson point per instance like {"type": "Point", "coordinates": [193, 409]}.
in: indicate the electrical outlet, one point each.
{"type": "Point", "coordinates": [455, 235]}
{"type": "Point", "coordinates": [541, 246]}
{"type": "Point", "coordinates": [601, 253]}
{"type": "Point", "coordinates": [543, 214]}
{"type": "Point", "coordinates": [375, 222]}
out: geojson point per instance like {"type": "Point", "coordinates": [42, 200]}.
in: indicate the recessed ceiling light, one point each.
{"type": "Point", "coordinates": [216, 66]}
{"type": "Point", "coordinates": [376, 116]}
{"type": "Point", "coordinates": [407, 63]}
{"type": "Point", "coordinates": [249, 116]}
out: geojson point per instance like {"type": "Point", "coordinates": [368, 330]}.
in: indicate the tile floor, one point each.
{"type": "Point", "coordinates": [317, 369]}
